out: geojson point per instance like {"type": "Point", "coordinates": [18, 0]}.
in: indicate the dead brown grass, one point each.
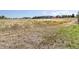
{"type": "Point", "coordinates": [31, 33]}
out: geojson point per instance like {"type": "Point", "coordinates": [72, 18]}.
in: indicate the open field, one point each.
{"type": "Point", "coordinates": [52, 33]}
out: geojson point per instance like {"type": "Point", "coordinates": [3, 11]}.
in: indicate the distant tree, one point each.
{"type": "Point", "coordinates": [58, 16]}
{"type": "Point", "coordinates": [73, 15]}
{"type": "Point", "coordinates": [35, 17]}
{"type": "Point", "coordinates": [26, 18]}
{"type": "Point", "coordinates": [2, 17]}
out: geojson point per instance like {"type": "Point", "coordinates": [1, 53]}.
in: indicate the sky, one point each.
{"type": "Point", "coordinates": [31, 13]}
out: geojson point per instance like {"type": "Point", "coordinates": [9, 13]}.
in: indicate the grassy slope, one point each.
{"type": "Point", "coordinates": [67, 37]}
{"type": "Point", "coordinates": [71, 34]}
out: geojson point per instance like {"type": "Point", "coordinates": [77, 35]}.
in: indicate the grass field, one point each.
{"type": "Point", "coordinates": [37, 34]}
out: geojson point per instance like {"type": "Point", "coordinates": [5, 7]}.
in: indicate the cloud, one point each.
{"type": "Point", "coordinates": [59, 12]}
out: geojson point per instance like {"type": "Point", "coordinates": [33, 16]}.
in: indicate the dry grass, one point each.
{"type": "Point", "coordinates": [32, 33]}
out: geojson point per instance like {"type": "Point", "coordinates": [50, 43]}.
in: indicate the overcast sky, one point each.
{"type": "Point", "coordinates": [31, 13]}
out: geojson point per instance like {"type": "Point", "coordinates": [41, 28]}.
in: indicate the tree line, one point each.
{"type": "Point", "coordinates": [42, 17]}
